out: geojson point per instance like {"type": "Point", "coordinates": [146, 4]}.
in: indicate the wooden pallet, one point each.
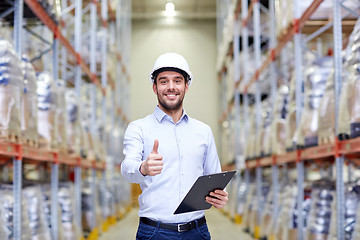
{"type": "Point", "coordinates": [30, 142]}
{"type": "Point", "coordinates": [7, 136]}
{"type": "Point", "coordinates": [47, 145]}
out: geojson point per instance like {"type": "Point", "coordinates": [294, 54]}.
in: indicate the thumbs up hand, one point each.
{"type": "Point", "coordinates": [153, 165]}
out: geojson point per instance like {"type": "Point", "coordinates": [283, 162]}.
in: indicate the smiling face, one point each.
{"type": "Point", "coordinates": [170, 88]}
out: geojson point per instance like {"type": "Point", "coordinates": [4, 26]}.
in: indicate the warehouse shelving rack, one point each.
{"type": "Point", "coordinates": [229, 47]}
{"type": "Point", "coordinates": [120, 20]}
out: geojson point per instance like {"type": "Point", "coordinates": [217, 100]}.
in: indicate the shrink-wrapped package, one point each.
{"type": "Point", "coordinates": [29, 108]}
{"type": "Point", "coordinates": [326, 113]}
{"type": "Point", "coordinates": [322, 196]}
{"type": "Point", "coordinates": [90, 201]}
{"type": "Point", "coordinates": [61, 115]}
{"type": "Point", "coordinates": [352, 214]}
{"type": "Point", "coordinates": [88, 144]}
{"type": "Point", "coordinates": [267, 218]}
{"type": "Point", "coordinates": [11, 88]}
{"type": "Point", "coordinates": [117, 191]}
{"type": "Point", "coordinates": [349, 117]}
{"type": "Point", "coordinates": [71, 231]}
{"type": "Point", "coordinates": [105, 200]}
{"type": "Point", "coordinates": [248, 207]}
{"type": "Point", "coordinates": [36, 214]}
{"type": "Point", "coordinates": [251, 146]}
{"type": "Point", "coordinates": [7, 215]}
{"type": "Point", "coordinates": [315, 82]}
{"type": "Point", "coordinates": [290, 120]}
{"type": "Point", "coordinates": [266, 120]}
{"type": "Point", "coordinates": [242, 195]}
{"type": "Point", "coordinates": [286, 224]}
{"type": "Point", "coordinates": [278, 125]}
{"type": "Point", "coordinates": [47, 117]}
{"type": "Point", "coordinates": [46, 199]}
{"type": "Point", "coordinates": [73, 122]}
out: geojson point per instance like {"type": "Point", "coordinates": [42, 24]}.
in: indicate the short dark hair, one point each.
{"type": "Point", "coordinates": [164, 69]}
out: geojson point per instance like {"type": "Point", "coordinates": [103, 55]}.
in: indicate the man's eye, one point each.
{"type": "Point", "coordinates": [163, 82]}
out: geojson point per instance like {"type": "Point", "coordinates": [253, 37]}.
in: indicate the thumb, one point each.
{"type": "Point", "coordinates": [155, 147]}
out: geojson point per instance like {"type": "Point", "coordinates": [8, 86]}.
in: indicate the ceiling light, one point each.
{"type": "Point", "coordinates": [170, 9]}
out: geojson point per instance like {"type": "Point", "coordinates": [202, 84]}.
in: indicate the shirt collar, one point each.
{"type": "Point", "coordinates": [160, 114]}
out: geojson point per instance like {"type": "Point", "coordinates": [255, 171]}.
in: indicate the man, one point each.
{"type": "Point", "coordinates": [165, 153]}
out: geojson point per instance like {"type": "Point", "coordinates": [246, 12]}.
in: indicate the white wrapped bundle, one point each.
{"type": "Point", "coordinates": [61, 115]}
{"type": "Point", "coordinates": [349, 112]}
{"type": "Point", "coordinates": [88, 144]}
{"type": "Point", "coordinates": [73, 122]}
{"type": "Point", "coordinates": [36, 214]}
{"type": "Point", "coordinates": [326, 120]}
{"type": "Point", "coordinates": [267, 117]}
{"type": "Point", "coordinates": [278, 125]}
{"type": "Point", "coordinates": [251, 148]}
{"type": "Point", "coordinates": [315, 83]}
{"type": "Point", "coordinates": [89, 219]}
{"type": "Point", "coordinates": [7, 213]}
{"type": "Point", "coordinates": [67, 205]}
{"type": "Point", "coordinates": [29, 110]}
{"type": "Point", "coordinates": [11, 88]}
{"type": "Point", "coordinates": [290, 120]}
{"type": "Point", "coordinates": [47, 120]}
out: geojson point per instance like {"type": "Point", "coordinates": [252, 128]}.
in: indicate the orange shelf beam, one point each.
{"type": "Point", "coordinates": [349, 147]}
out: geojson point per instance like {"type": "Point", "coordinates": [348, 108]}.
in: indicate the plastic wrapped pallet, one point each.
{"type": "Point", "coordinates": [105, 199]}
{"type": "Point", "coordinates": [315, 82]}
{"type": "Point", "coordinates": [73, 122]}
{"type": "Point", "coordinates": [356, 231]}
{"type": "Point", "coordinates": [29, 109]}
{"type": "Point", "coordinates": [322, 196]}
{"type": "Point", "coordinates": [88, 199]}
{"type": "Point", "coordinates": [352, 214]}
{"type": "Point", "coordinates": [47, 120]}
{"type": "Point", "coordinates": [46, 199]}
{"type": "Point", "coordinates": [11, 88]}
{"type": "Point", "coordinates": [251, 147]}
{"type": "Point", "coordinates": [71, 231]}
{"type": "Point", "coordinates": [7, 213]}
{"type": "Point", "coordinates": [290, 121]}
{"type": "Point", "coordinates": [278, 125]}
{"type": "Point", "coordinates": [248, 207]}
{"type": "Point", "coordinates": [349, 98]}
{"type": "Point", "coordinates": [39, 228]}
{"type": "Point", "coordinates": [88, 146]}
{"type": "Point", "coordinates": [286, 224]}
{"type": "Point", "coordinates": [241, 198]}
{"type": "Point", "coordinates": [265, 136]}
{"type": "Point", "coordinates": [61, 115]}
{"type": "Point", "coordinates": [326, 119]}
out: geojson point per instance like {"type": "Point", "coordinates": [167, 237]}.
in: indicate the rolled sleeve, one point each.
{"type": "Point", "coordinates": [133, 151]}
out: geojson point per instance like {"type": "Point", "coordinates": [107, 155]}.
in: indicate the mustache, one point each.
{"type": "Point", "coordinates": [167, 92]}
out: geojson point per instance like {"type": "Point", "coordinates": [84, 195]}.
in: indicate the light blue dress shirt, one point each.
{"type": "Point", "coordinates": [188, 150]}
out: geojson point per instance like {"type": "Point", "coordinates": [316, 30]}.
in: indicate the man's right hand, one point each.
{"type": "Point", "coordinates": [153, 165]}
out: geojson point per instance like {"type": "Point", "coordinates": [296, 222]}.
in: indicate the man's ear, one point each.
{"type": "Point", "coordinates": [186, 86]}
{"type": "Point", "coordinates": [154, 88]}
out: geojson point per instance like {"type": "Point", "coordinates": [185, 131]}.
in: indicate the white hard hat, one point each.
{"type": "Point", "coordinates": [171, 62]}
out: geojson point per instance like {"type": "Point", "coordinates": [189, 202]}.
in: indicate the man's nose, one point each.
{"type": "Point", "coordinates": [171, 84]}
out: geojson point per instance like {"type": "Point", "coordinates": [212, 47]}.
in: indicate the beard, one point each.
{"type": "Point", "coordinates": [172, 106]}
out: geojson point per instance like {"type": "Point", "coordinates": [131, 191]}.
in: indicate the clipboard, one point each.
{"type": "Point", "coordinates": [195, 198]}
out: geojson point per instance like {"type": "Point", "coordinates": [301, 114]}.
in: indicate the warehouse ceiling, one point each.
{"type": "Point", "coordinates": [188, 9]}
